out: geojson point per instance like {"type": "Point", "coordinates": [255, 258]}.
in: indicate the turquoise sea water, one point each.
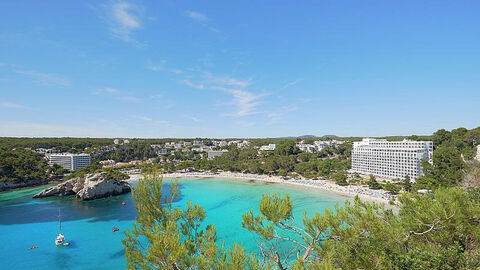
{"type": "Point", "coordinates": [25, 222]}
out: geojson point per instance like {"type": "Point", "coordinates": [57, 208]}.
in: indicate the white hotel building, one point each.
{"type": "Point", "coordinates": [390, 159]}
{"type": "Point", "coordinates": [70, 161]}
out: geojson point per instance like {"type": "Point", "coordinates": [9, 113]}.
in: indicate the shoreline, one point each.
{"type": "Point", "coordinates": [364, 193]}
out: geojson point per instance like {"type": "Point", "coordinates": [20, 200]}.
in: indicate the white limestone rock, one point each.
{"type": "Point", "coordinates": [89, 187]}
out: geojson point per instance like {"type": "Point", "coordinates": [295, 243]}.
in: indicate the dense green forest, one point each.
{"type": "Point", "coordinates": [21, 165]}
{"type": "Point", "coordinates": [72, 145]}
{"type": "Point", "coordinates": [452, 158]}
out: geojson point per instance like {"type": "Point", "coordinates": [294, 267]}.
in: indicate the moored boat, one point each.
{"type": "Point", "coordinates": [60, 239]}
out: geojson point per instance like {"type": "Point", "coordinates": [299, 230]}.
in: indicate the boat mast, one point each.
{"type": "Point", "coordinates": [59, 222]}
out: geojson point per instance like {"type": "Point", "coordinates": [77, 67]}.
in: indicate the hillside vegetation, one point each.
{"type": "Point", "coordinates": [21, 166]}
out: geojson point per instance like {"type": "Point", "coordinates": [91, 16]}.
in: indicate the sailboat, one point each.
{"type": "Point", "coordinates": [60, 240]}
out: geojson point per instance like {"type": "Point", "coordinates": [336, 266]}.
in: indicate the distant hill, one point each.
{"type": "Point", "coordinates": [307, 136]}
{"type": "Point", "coordinates": [329, 136]}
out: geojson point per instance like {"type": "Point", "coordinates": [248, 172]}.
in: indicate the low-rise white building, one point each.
{"type": "Point", "coordinates": [170, 145]}
{"type": "Point", "coordinates": [178, 145]}
{"type": "Point", "coordinates": [212, 154]}
{"type": "Point", "coordinates": [322, 144]}
{"type": "Point", "coordinates": [305, 147]}
{"type": "Point", "coordinates": [197, 143]}
{"type": "Point", "coordinates": [162, 151]}
{"type": "Point", "coordinates": [70, 161]}
{"type": "Point", "coordinates": [390, 159]}
{"type": "Point", "coordinates": [108, 162]}
{"type": "Point", "coordinates": [269, 147]}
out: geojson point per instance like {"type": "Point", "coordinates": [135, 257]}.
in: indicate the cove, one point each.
{"type": "Point", "coordinates": [25, 222]}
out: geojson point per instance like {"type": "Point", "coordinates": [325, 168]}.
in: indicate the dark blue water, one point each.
{"type": "Point", "coordinates": [25, 222]}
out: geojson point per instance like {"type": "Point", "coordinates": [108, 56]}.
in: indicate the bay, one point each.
{"type": "Point", "coordinates": [25, 222]}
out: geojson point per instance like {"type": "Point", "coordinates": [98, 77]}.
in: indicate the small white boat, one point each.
{"type": "Point", "coordinates": [60, 240]}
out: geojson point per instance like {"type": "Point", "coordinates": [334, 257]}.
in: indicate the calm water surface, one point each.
{"type": "Point", "coordinates": [87, 225]}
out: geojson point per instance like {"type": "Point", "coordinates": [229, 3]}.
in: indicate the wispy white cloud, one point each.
{"type": "Point", "coordinates": [108, 90]}
{"type": "Point", "coordinates": [124, 18]}
{"type": "Point", "coordinates": [44, 78]}
{"type": "Point", "coordinates": [245, 102]}
{"type": "Point", "coordinates": [227, 80]}
{"type": "Point", "coordinates": [9, 105]}
{"type": "Point", "coordinates": [163, 67]}
{"type": "Point", "coordinates": [196, 16]}
{"type": "Point", "coordinates": [201, 19]}
{"type": "Point", "coordinates": [276, 115]}
{"type": "Point", "coordinates": [142, 117]}
{"type": "Point", "coordinates": [195, 119]}
{"type": "Point", "coordinates": [130, 99]}
{"type": "Point", "coordinates": [292, 83]}
{"type": "Point", "coordinates": [150, 120]}
{"type": "Point", "coordinates": [117, 94]}
{"type": "Point", "coordinates": [191, 84]}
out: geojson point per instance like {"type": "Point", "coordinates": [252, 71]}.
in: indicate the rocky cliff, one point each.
{"type": "Point", "coordinates": [89, 187]}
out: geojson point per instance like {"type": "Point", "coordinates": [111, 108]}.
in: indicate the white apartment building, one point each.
{"type": "Point", "coordinates": [70, 161]}
{"type": "Point", "coordinates": [390, 159]}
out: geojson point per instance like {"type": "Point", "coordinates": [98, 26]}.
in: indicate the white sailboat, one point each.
{"type": "Point", "coordinates": [60, 240]}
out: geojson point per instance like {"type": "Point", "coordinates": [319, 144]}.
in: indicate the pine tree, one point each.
{"type": "Point", "coordinates": [167, 237]}
{"type": "Point", "coordinates": [372, 182]}
{"type": "Point", "coordinates": [407, 184]}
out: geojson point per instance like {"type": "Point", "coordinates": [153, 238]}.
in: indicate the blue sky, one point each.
{"type": "Point", "coordinates": [238, 68]}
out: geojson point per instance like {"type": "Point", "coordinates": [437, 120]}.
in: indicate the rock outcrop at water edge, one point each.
{"type": "Point", "coordinates": [88, 187]}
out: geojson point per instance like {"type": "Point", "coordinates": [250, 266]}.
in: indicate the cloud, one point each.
{"type": "Point", "coordinates": [9, 105]}
{"type": "Point", "coordinates": [130, 99]}
{"type": "Point", "coordinates": [193, 118]}
{"type": "Point", "coordinates": [141, 117]}
{"type": "Point", "coordinates": [276, 115]}
{"type": "Point", "coordinates": [44, 78]}
{"type": "Point", "coordinates": [124, 18]}
{"type": "Point", "coordinates": [108, 90]}
{"type": "Point", "coordinates": [201, 19]}
{"type": "Point", "coordinates": [193, 85]}
{"type": "Point", "coordinates": [196, 16]}
{"type": "Point", "coordinates": [120, 95]}
{"type": "Point", "coordinates": [244, 101]}
{"type": "Point", "coordinates": [227, 80]}
{"type": "Point", "coordinates": [150, 120]}
{"type": "Point", "coordinates": [292, 83]}
{"type": "Point", "coordinates": [163, 67]}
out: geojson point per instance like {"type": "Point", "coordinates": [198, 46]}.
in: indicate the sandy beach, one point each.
{"type": "Point", "coordinates": [379, 196]}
